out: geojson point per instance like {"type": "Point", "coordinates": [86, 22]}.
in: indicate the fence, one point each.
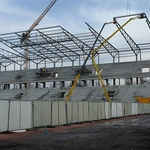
{"type": "Point", "coordinates": [20, 115]}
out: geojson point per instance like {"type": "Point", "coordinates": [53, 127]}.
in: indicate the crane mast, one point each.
{"type": "Point", "coordinates": [25, 35]}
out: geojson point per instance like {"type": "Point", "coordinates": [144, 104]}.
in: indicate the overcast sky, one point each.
{"type": "Point", "coordinates": [18, 15]}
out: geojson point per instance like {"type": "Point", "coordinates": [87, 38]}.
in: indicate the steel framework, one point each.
{"type": "Point", "coordinates": [55, 44]}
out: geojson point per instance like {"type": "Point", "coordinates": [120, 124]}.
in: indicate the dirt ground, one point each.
{"type": "Point", "coordinates": [130, 133]}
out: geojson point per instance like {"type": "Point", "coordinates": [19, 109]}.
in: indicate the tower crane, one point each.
{"type": "Point", "coordinates": [26, 35]}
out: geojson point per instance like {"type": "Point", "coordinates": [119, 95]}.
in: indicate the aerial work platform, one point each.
{"type": "Point", "coordinates": [57, 56]}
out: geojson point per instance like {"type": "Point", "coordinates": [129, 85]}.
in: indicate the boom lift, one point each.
{"type": "Point", "coordinates": [26, 35]}
{"type": "Point", "coordinates": [133, 45]}
{"type": "Point", "coordinates": [92, 52]}
{"type": "Point", "coordinates": [108, 46]}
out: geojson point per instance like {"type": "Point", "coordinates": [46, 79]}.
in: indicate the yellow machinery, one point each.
{"type": "Point", "coordinates": [142, 99]}
{"type": "Point", "coordinates": [92, 52]}
{"type": "Point", "coordinates": [100, 77]}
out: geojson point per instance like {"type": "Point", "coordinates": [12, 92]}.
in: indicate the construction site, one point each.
{"type": "Point", "coordinates": [51, 79]}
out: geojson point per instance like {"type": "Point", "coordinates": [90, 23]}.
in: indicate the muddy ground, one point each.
{"type": "Point", "coordinates": [130, 133]}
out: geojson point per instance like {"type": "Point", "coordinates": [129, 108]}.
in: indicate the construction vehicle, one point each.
{"type": "Point", "coordinates": [43, 72]}
{"type": "Point", "coordinates": [93, 51]}
{"type": "Point", "coordinates": [26, 35]}
{"type": "Point", "coordinates": [142, 99]}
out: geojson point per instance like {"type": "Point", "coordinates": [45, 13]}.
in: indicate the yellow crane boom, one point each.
{"type": "Point", "coordinates": [100, 78]}
{"type": "Point", "coordinates": [139, 16]}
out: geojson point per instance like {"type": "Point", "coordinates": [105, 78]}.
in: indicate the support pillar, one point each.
{"type": "Point", "coordinates": [36, 85]}
{"type": "Point", "coordinates": [92, 82]}
{"type": "Point", "coordinates": [72, 83]}
{"type": "Point", "coordinates": [44, 85]}
{"type": "Point", "coordinates": [84, 83]}
{"type": "Point", "coordinates": [131, 79]}
{"type": "Point", "coordinates": [114, 81]}
{"type": "Point", "coordinates": [54, 84]}
{"type": "Point", "coordinates": [137, 80]}
{"type": "Point", "coordinates": [6, 86]}
{"type": "Point", "coordinates": [26, 85]}
{"type": "Point", "coordinates": [106, 82]}
{"type": "Point", "coordinates": [20, 86]}
{"type": "Point", "coordinates": [62, 84]}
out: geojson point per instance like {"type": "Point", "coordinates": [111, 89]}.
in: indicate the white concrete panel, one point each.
{"type": "Point", "coordinates": [99, 114]}
{"type": "Point", "coordinates": [55, 114]}
{"type": "Point", "coordinates": [146, 108]}
{"type": "Point", "coordinates": [4, 105]}
{"type": "Point", "coordinates": [14, 115]}
{"type": "Point", "coordinates": [101, 111]}
{"type": "Point", "coordinates": [86, 111]}
{"type": "Point", "coordinates": [123, 109]}
{"type": "Point", "coordinates": [113, 110]}
{"type": "Point", "coordinates": [42, 113]}
{"type": "Point", "coordinates": [93, 112]}
{"type": "Point", "coordinates": [81, 111]}
{"type": "Point", "coordinates": [120, 110]}
{"type": "Point", "coordinates": [127, 109]}
{"type": "Point", "coordinates": [26, 115]}
{"type": "Point", "coordinates": [107, 110]}
{"type": "Point", "coordinates": [143, 109]}
{"type": "Point", "coordinates": [69, 112]}
{"type": "Point", "coordinates": [148, 105]}
{"type": "Point", "coordinates": [95, 106]}
{"type": "Point", "coordinates": [139, 108]}
{"type": "Point", "coordinates": [75, 112]}
{"type": "Point", "coordinates": [62, 113]}
{"type": "Point", "coordinates": [134, 109]}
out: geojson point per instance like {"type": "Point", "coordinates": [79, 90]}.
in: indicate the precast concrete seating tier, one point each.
{"type": "Point", "coordinates": [111, 70]}
{"type": "Point", "coordinates": [122, 93]}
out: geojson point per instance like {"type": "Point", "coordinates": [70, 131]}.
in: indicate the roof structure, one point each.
{"type": "Point", "coordinates": [57, 45]}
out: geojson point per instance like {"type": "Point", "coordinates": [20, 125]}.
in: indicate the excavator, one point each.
{"type": "Point", "coordinates": [93, 51]}
{"type": "Point", "coordinates": [26, 35]}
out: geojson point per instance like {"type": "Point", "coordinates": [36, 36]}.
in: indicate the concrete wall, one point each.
{"type": "Point", "coordinates": [4, 110]}
{"type": "Point", "coordinates": [19, 115]}
{"type": "Point", "coordinates": [41, 113]}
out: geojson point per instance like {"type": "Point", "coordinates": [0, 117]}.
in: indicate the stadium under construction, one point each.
{"type": "Point", "coordinates": [45, 65]}
{"type": "Point", "coordinates": [64, 90]}
{"type": "Point", "coordinates": [49, 76]}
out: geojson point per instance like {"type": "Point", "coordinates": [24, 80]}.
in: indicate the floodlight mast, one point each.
{"type": "Point", "coordinates": [26, 35]}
